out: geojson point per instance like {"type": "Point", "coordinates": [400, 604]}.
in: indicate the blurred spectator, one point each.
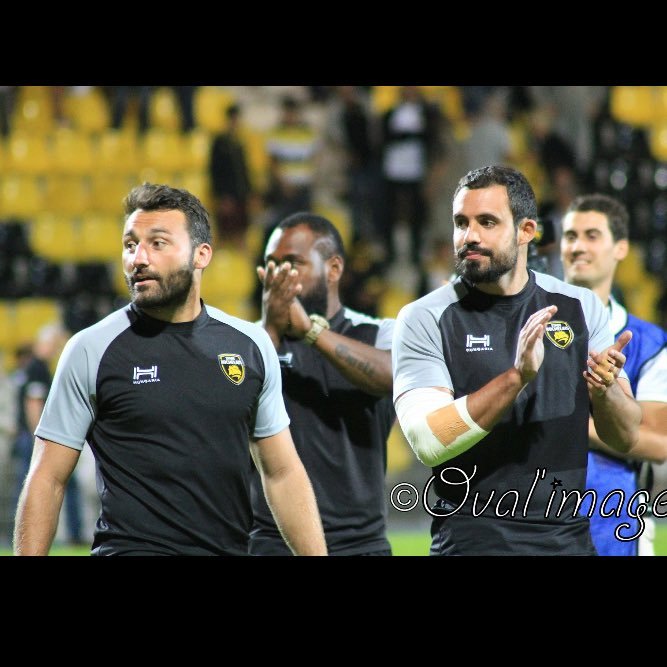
{"type": "Point", "coordinates": [230, 180]}
{"type": "Point", "coordinates": [489, 141]}
{"type": "Point", "coordinates": [350, 128]}
{"type": "Point", "coordinates": [563, 187]}
{"type": "Point", "coordinates": [438, 268]}
{"type": "Point", "coordinates": [33, 381]}
{"type": "Point", "coordinates": [412, 159]}
{"type": "Point", "coordinates": [292, 146]}
{"type": "Point", "coordinates": [574, 109]}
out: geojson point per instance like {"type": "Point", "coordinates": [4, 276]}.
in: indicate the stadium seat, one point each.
{"type": "Point", "coordinates": [20, 197]}
{"type": "Point", "coordinates": [73, 152]}
{"type": "Point", "coordinates": [658, 141]}
{"type": "Point", "coordinates": [229, 275]}
{"type": "Point", "coordinates": [55, 237]}
{"type": "Point", "coordinates": [67, 195]}
{"type": "Point", "coordinates": [33, 110]}
{"type": "Point", "coordinates": [31, 314]}
{"type": "Point", "coordinates": [196, 150]}
{"type": "Point", "coordinates": [634, 105]}
{"type": "Point", "coordinates": [210, 104]}
{"type": "Point", "coordinates": [161, 150]}
{"type": "Point", "coordinates": [7, 326]}
{"type": "Point", "coordinates": [197, 182]}
{"type": "Point", "coordinates": [392, 299]}
{"type": "Point", "coordinates": [118, 152]}
{"type": "Point", "coordinates": [28, 153]}
{"type": "Point", "coordinates": [100, 238]}
{"type": "Point", "coordinates": [164, 112]}
{"type": "Point", "coordinates": [88, 112]}
{"type": "Point", "coordinates": [108, 192]}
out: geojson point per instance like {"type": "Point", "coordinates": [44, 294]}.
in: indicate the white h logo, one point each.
{"type": "Point", "coordinates": [150, 372]}
{"type": "Point", "coordinates": [478, 340]}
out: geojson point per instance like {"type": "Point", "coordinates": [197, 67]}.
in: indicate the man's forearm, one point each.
{"type": "Point", "coordinates": [617, 417]}
{"type": "Point", "coordinates": [292, 502]}
{"type": "Point", "coordinates": [363, 365]}
{"type": "Point", "coordinates": [37, 517]}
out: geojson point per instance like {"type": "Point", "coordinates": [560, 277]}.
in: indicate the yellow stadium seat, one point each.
{"type": "Point", "coordinates": [383, 98]}
{"type": "Point", "coordinates": [88, 112]}
{"type": "Point", "coordinates": [635, 105]}
{"type": "Point", "coordinates": [163, 110]}
{"type": "Point", "coordinates": [73, 152]}
{"type": "Point", "coordinates": [3, 156]}
{"type": "Point", "coordinates": [399, 453]}
{"type": "Point", "coordinates": [197, 182]}
{"type": "Point", "coordinates": [161, 150]}
{"type": "Point", "coordinates": [20, 196]}
{"type": "Point", "coordinates": [28, 153]}
{"type": "Point", "coordinates": [7, 325]}
{"type": "Point", "coordinates": [55, 237]}
{"type": "Point", "coordinates": [108, 192]}
{"type": "Point", "coordinates": [34, 110]}
{"type": "Point", "coordinates": [31, 314]}
{"type": "Point", "coordinates": [196, 150]}
{"type": "Point", "coordinates": [657, 137]}
{"type": "Point", "coordinates": [67, 195]}
{"type": "Point", "coordinates": [230, 274]}
{"type": "Point", "coordinates": [393, 299]}
{"type": "Point", "coordinates": [210, 104]}
{"type": "Point", "coordinates": [254, 142]}
{"type": "Point", "coordinates": [118, 152]}
{"type": "Point", "coordinates": [100, 238]}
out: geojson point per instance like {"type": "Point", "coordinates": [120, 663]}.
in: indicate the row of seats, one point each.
{"type": "Point", "coordinates": [89, 111]}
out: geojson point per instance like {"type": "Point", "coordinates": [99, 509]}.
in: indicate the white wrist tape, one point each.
{"type": "Point", "coordinates": [436, 426]}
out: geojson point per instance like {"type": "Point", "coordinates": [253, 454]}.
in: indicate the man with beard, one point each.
{"type": "Point", "coordinates": [495, 375]}
{"type": "Point", "coordinates": [172, 396]}
{"type": "Point", "coordinates": [337, 383]}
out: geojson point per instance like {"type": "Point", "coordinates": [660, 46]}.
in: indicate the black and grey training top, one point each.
{"type": "Point", "coordinates": [502, 496]}
{"type": "Point", "coordinates": [168, 411]}
{"type": "Point", "coordinates": [340, 432]}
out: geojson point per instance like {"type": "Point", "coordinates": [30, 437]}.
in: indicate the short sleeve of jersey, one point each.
{"type": "Point", "coordinates": [417, 354]}
{"type": "Point", "coordinates": [69, 411]}
{"type": "Point", "coordinates": [652, 385]}
{"type": "Point", "coordinates": [271, 413]}
{"type": "Point", "coordinates": [385, 334]}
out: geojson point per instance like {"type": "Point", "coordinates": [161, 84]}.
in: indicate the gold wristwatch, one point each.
{"type": "Point", "coordinates": [319, 325]}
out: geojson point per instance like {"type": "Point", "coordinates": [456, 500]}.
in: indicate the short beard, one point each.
{"type": "Point", "coordinates": [499, 264]}
{"type": "Point", "coordinates": [317, 301]}
{"type": "Point", "coordinates": [172, 292]}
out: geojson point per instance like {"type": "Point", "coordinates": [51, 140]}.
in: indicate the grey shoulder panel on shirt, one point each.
{"type": "Point", "coordinates": [385, 326]}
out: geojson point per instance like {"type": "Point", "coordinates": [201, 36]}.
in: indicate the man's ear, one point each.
{"type": "Point", "coordinates": [202, 256]}
{"type": "Point", "coordinates": [336, 264]}
{"type": "Point", "coordinates": [526, 231]}
{"type": "Point", "coordinates": [621, 249]}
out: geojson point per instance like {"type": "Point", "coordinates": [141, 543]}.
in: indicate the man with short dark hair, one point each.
{"type": "Point", "coordinates": [494, 378]}
{"type": "Point", "coordinates": [594, 241]}
{"type": "Point", "coordinates": [337, 386]}
{"type": "Point", "coordinates": [173, 396]}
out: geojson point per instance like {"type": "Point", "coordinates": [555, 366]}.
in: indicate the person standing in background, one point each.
{"type": "Point", "coordinates": [336, 366]}
{"type": "Point", "coordinates": [594, 241]}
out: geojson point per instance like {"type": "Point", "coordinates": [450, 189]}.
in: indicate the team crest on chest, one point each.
{"type": "Point", "coordinates": [233, 366]}
{"type": "Point", "coordinates": [559, 333]}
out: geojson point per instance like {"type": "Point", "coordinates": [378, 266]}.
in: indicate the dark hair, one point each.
{"type": "Point", "coordinates": [151, 197]}
{"type": "Point", "coordinates": [616, 212]}
{"type": "Point", "coordinates": [329, 242]}
{"type": "Point", "coordinates": [523, 203]}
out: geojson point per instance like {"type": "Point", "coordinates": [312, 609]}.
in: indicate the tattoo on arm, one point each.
{"type": "Point", "coordinates": [344, 354]}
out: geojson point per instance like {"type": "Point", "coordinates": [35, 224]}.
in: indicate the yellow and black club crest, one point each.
{"type": "Point", "coordinates": [559, 333]}
{"type": "Point", "coordinates": [233, 366]}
